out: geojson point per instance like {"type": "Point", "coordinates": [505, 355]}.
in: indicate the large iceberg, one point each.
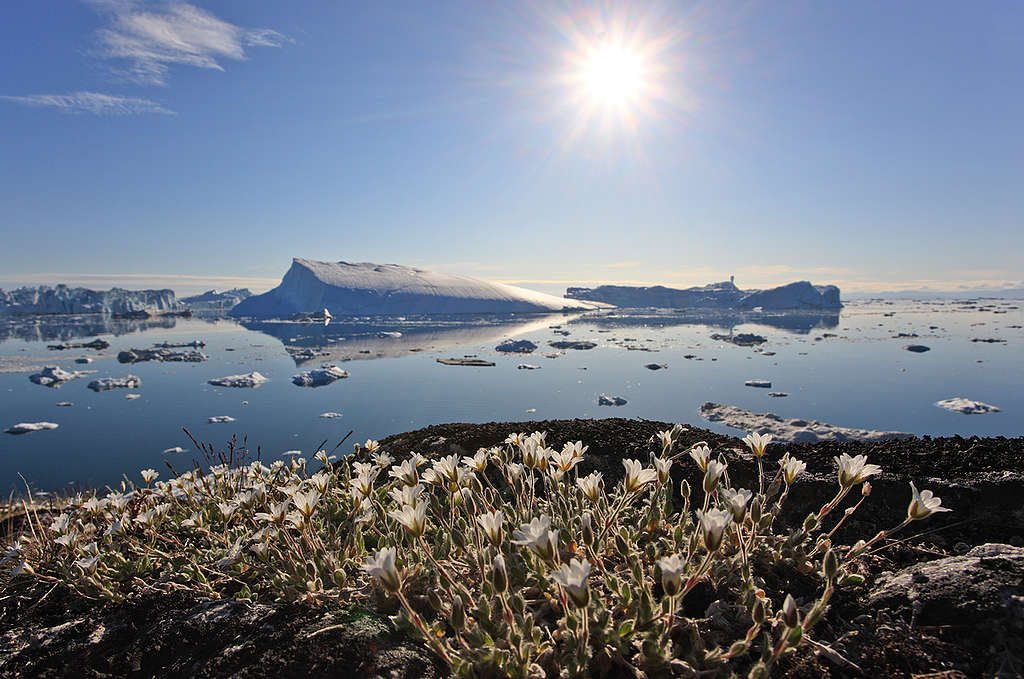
{"type": "Point", "coordinates": [214, 300]}
{"type": "Point", "coordinates": [65, 300]}
{"type": "Point", "coordinates": [799, 295]}
{"type": "Point", "coordinates": [346, 289]}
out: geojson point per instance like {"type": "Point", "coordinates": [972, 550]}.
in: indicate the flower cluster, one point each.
{"type": "Point", "coordinates": [529, 565]}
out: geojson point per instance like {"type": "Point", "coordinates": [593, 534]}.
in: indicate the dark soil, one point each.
{"type": "Point", "coordinates": [982, 479]}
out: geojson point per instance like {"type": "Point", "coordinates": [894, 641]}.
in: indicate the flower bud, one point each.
{"type": "Point", "coordinates": [588, 530]}
{"type": "Point", "coordinates": [811, 522]}
{"type": "Point", "coordinates": [738, 648]}
{"type": "Point", "coordinates": [755, 510]}
{"type": "Point", "coordinates": [865, 489]}
{"type": "Point", "coordinates": [790, 614]}
{"type": "Point", "coordinates": [434, 599]}
{"type": "Point", "coordinates": [831, 565]}
{"type": "Point", "coordinates": [684, 489]}
{"type": "Point", "coordinates": [758, 613]}
{"type": "Point", "coordinates": [621, 546]}
{"type": "Point", "coordinates": [500, 575]}
{"type": "Point", "coordinates": [458, 614]}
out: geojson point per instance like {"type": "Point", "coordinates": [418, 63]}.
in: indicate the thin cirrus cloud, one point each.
{"type": "Point", "coordinates": [146, 41]}
{"type": "Point", "coordinates": [91, 102]}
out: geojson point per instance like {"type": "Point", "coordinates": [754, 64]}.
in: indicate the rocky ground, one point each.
{"type": "Point", "coordinates": [945, 599]}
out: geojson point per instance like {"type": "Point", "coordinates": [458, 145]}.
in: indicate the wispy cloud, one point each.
{"type": "Point", "coordinates": [146, 41]}
{"type": "Point", "coordinates": [91, 102]}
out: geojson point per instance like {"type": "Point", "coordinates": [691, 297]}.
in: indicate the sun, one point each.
{"type": "Point", "coordinates": [613, 75]}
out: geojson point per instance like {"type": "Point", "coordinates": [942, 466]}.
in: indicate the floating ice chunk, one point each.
{"type": "Point", "coordinates": [793, 430]}
{"type": "Point", "coordinates": [106, 383]}
{"type": "Point", "coordinates": [566, 344]}
{"type": "Point", "coordinates": [478, 362]}
{"type": "Point", "coordinates": [83, 360]}
{"type": "Point", "coordinates": [52, 376]}
{"type": "Point", "coordinates": [611, 401]}
{"type": "Point", "coordinates": [250, 380]}
{"type": "Point", "coordinates": [29, 427]}
{"type": "Point", "coordinates": [516, 347]}
{"type": "Point", "coordinates": [917, 348]}
{"type": "Point", "coordinates": [291, 453]}
{"type": "Point", "coordinates": [778, 394]}
{"type": "Point", "coordinates": [161, 354]}
{"type": "Point", "coordinates": [220, 419]}
{"type": "Point", "coordinates": [656, 366]}
{"type": "Point", "coordinates": [527, 366]}
{"type": "Point", "coordinates": [763, 384]}
{"type": "Point", "coordinates": [531, 410]}
{"type": "Point", "coordinates": [330, 416]}
{"type": "Point", "coordinates": [132, 397]}
{"type": "Point", "coordinates": [389, 334]}
{"type": "Point", "coordinates": [65, 404]}
{"type": "Point", "coordinates": [319, 377]}
{"type": "Point", "coordinates": [967, 406]}
{"type": "Point", "coordinates": [175, 449]}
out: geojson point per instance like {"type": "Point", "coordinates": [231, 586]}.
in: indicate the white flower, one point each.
{"type": "Point", "coordinates": [461, 495]}
{"type": "Point", "coordinates": [672, 568]}
{"type": "Point", "coordinates": [662, 465]}
{"type": "Point", "coordinates": [538, 537]}
{"type": "Point", "coordinates": [491, 523]}
{"type": "Point", "coordinates": [406, 495]}
{"type": "Point", "coordinates": [637, 476]}
{"type": "Point", "coordinates": [320, 481]}
{"type": "Point", "coordinates": [362, 484]}
{"type": "Point", "coordinates": [371, 445]}
{"type": "Point", "coordinates": [405, 472]}
{"type": "Point", "coordinates": [67, 539]}
{"type": "Point", "coordinates": [448, 467]}
{"type": "Point", "coordinates": [567, 459]}
{"type": "Point", "coordinates": [712, 526]}
{"type": "Point", "coordinates": [514, 439]}
{"type": "Point", "coordinates": [413, 517]}
{"type": "Point", "coordinates": [854, 470]}
{"type": "Point", "coordinates": [477, 462]}
{"type": "Point", "coordinates": [149, 475]}
{"type": "Point", "coordinates": [736, 502]}
{"type": "Point", "coordinates": [577, 449]}
{"type": "Point", "coordinates": [515, 470]}
{"type": "Point", "coordinates": [666, 441]}
{"type": "Point", "coordinates": [757, 442]}
{"type": "Point", "coordinates": [94, 505]}
{"type": "Point", "coordinates": [88, 563]}
{"type": "Point", "coordinates": [591, 485]}
{"type": "Point", "coordinates": [61, 524]}
{"type": "Point", "coordinates": [792, 468]}
{"type": "Point", "coordinates": [382, 567]}
{"type": "Point", "coordinates": [701, 455]}
{"type": "Point", "coordinates": [359, 468]}
{"type": "Point", "coordinates": [924, 504]}
{"type": "Point", "coordinates": [277, 514]}
{"type": "Point", "coordinates": [533, 452]}
{"type": "Point", "coordinates": [382, 459]}
{"type": "Point", "coordinates": [305, 502]}
{"type": "Point", "coordinates": [418, 459]}
{"type": "Point", "coordinates": [226, 510]}
{"type": "Point", "coordinates": [573, 578]}
{"type": "Point", "coordinates": [714, 471]}
{"type": "Point", "coordinates": [232, 555]}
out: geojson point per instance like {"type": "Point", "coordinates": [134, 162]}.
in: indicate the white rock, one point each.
{"type": "Point", "coordinates": [220, 419]}
{"type": "Point", "coordinates": [353, 289]}
{"type": "Point", "coordinates": [967, 406]}
{"type": "Point", "coordinates": [106, 383]}
{"type": "Point", "coordinates": [250, 380]}
{"type": "Point", "coordinates": [330, 416]}
{"type": "Point", "coordinates": [319, 377]}
{"type": "Point", "coordinates": [29, 427]}
{"type": "Point", "coordinates": [793, 430]}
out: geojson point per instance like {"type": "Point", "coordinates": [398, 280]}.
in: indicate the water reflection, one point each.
{"type": "Point", "coordinates": [799, 322]}
{"type": "Point", "coordinates": [366, 338]}
{"type": "Point", "coordinates": [66, 328]}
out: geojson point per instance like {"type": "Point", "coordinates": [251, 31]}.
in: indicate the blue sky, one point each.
{"type": "Point", "coordinates": [876, 145]}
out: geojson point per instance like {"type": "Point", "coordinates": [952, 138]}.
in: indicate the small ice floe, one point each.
{"type": "Point", "coordinates": [967, 406]}
{"type": "Point", "coordinates": [319, 377]}
{"type": "Point", "coordinates": [250, 380]}
{"type": "Point", "coordinates": [656, 366]}
{"type": "Point", "coordinates": [516, 347]}
{"type": "Point", "coordinates": [65, 404]}
{"type": "Point", "coordinates": [479, 362]}
{"type": "Point", "coordinates": [389, 334]}
{"type": "Point", "coordinates": [917, 348]}
{"type": "Point", "coordinates": [29, 427]}
{"type": "Point", "coordinates": [531, 410]}
{"type": "Point", "coordinates": [291, 453]}
{"type": "Point", "coordinates": [330, 416]}
{"type": "Point", "coordinates": [132, 397]}
{"type": "Point", "coordinates": [778, 394]}
{"type": "Point", "coordinates": [551, 355]}
{"type": "Point", "coordinates": [762, 384]}
{"type": "Point", "coordinates": [82, 360]}
{"type": "Point", "coordinates": [566, 344]}
{"type": "Point", "coordinates": [527, 366]}
{"type": "Point", "coordinates": [107, 383]}
{"type": "Point", "coordinates": [743, 339]}
{"type": "Point", "coordinates": [53, 376]}
{"type": "Point", "coordinates": [161, 354]}
{"type": "Point", "coordinates": [220, 419]}
{"type": "Point", "coordinates": [611, 400]}
{"type": "Point", "coordinates": [793, 430]}
{"type": "Point", "coordinates": [174, 450]}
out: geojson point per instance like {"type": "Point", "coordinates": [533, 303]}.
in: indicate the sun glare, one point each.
{"type": "Point", "coordinates": [613, 75]}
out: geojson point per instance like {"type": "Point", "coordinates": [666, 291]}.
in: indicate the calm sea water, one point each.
{"type": "Point", "coordinates": [847, 369]}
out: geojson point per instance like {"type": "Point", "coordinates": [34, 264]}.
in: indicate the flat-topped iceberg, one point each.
{"type": "Point", "coordinates": [64, 300]}
{"type": "Point", "coordinates": [29, 427]}
{"type": "Point", "coordinates": [792, 430]}
{"type": "Point", "coordinates": [248, 380]}
{"type": "Point", "coordinates": [967, 406]}
{"type": "Point", "coordinates": [214, 300]}
{"type": "Point", "coordinates": [345, 289]}
{"type": "Point", "coordinates": [798, 295]}
{"type": "Point", "coordinates": [54, 376]}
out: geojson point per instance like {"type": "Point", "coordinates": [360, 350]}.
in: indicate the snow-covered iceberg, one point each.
{"type": "Point", "coordinates": [65, 300]}
{"type": "Point", "coordinates": [108, 383]}
{"type": "Point", "coordinates": [212, 300]}
{"type": "Point", "coordinates": [347, 289]}
{"type": "Point", "coordinates": [29, 427]}
{"type": "Point", "coordinates": [725, 295]}
{"type": "Point", "coordinates": [246, 381]}
{"type": "Point", "coordinates": [318, 377]}
{"type": "Point", "coordinates": [54, 376]}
